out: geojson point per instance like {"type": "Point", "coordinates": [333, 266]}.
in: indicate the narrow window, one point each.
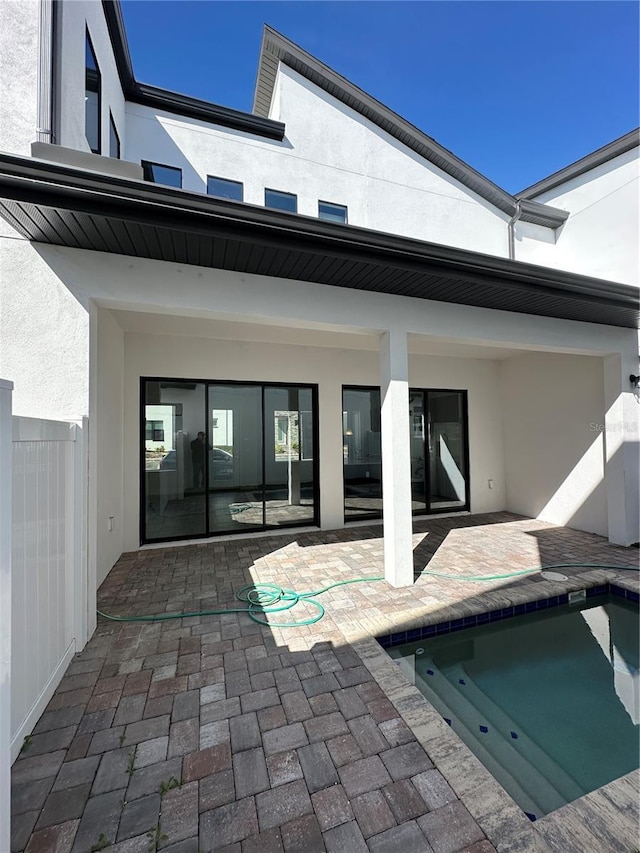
{"type": "Point", "coordinates": [332, 212]}
{"type": "Point", "coordinates": [223, 188]}
{"type": "Point", "coordinates": [159, 174]}
{"type": "Point", "coordinates": [92, 97]}
{"type": "Point", "coordinates": [281, 201]}
{"type": "Point", "coordinates": [114, 139]}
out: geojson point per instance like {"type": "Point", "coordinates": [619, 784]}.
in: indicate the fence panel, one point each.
{"type": "Point", "coordinates": [45, 565]}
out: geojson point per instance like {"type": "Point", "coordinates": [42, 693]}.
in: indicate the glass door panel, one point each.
{"type": "Point", "coordinates": [234, 451]}
{"type": "Point", "coordinates": [416, 438]}
{"type": "Point", "coordinates": [447, 450]}
{"type": "Point", "coordinates": [289, 450]}
{"type": "Point", "coordinates": [361, 452]}
{"type": "Point", "coordinates": [174, 470]}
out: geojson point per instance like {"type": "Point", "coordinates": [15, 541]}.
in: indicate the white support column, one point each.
{"type": "Point", "coordinates": [396, 462]}
{"type": "Point", "coordinates": [331, 466]}
{"type": "Point", "coordinates": [621, 443]}
{"type": "Point", "coordinates": [6, 389]}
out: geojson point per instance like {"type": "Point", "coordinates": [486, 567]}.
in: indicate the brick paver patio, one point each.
{"type": "Point", "coordinates": [214, 733]}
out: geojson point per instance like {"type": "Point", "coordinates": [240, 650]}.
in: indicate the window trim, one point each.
{"type": "Point", "coordinates": [266, 527]}
{"type": "Point", "coordinates": [282, 193]}
{"type": "Point", "coordinates": [334, 204]}
{"type": "Point", "coordinates": [147, 163]}
{"type": "Point", "coordinates": [112, 127]}
{"type": "Point", "coordinates": [427, 511]}
{"type": "Point", "coordinates": [227, 181]}
{"type": "Point", "coordinates": [89, 75]}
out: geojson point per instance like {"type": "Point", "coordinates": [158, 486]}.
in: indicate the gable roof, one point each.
{"type": "Point", "coordinates": [585, 164]}
{"type": "Point", "coordinates": [276, 48]}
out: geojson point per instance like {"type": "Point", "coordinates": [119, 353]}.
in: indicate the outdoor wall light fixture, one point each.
{"type": "Point", "coordinates": [348, 431]}
{"type": "Point", "coordinates": [634, 380]}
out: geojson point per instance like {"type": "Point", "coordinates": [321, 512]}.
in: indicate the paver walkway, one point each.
{"type": "Point", "coordinates": [213, 733]}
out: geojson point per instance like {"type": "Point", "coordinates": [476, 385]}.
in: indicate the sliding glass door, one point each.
{"type": "Point", "coordinates": [438, 450]}
{"type": "Point", "coordinates": [226, 458]}
{"type": "Point", "coordinates": [447, 440]}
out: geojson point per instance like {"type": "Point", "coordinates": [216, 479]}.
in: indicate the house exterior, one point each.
{"type": "Point", "coordinates": [265, 323]}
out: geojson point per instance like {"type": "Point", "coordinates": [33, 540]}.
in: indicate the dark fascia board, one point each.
{"type": "Point", "coordinates": [173, 102]}
{"type": "Point", "coordinates": [585, 164]}
{"type": "Point", "coordinates": [28, 180]}
{"type": "Point", "coordinates": [277, 48]}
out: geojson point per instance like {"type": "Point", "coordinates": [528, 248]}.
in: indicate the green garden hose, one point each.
{"type": "Point", "coordinates": [266, 598]}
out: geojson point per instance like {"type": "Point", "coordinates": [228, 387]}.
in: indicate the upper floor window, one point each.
{"type": "Point", "coordinates": [223, 188]}
{"type": "Point", "coordinates": [114, 139]}
{"type": "Point", "coordinates": [332, 212]}
{"type": "Point", "coordinates": [281, 201]}
{"type": "Point", "coordinates": [92, 97]}
{"type": "Point", "coordinates": [159, 174]}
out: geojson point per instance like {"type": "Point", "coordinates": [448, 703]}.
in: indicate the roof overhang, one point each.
{"type": "Point", "coordinates": [276, 48]}
{"type": "Point", "coordinates": [173, 102]}
{"type": "Point", "coordinates": [586, 164]}
{"type": "Point", "coordinates": [64, 206]}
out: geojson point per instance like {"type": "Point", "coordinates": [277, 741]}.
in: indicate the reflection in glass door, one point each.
{"type": "Point", "coordinates": [447, 450]}
{"type": "Point", "coordinates": [418, 462]}
{"type": "Point", "coordinates": [226, 458]}
{"type": "Point", "coordinates": [235, 458]}
{"type": "Point", "coordinates": [174, 500]}
{"type": "Point", "coordinates": [288, 456]}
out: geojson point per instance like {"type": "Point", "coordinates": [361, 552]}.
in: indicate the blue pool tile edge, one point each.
{"type": "Point", "coordinates": [451, 625]}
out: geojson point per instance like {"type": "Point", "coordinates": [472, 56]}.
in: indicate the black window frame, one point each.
{"type": "Point", "coordinates": [225, 181]}
{"type": "Point", "coordinates": [148, 174]}
{"type": "Point", "coordinates": [337, 206]}
{"type": "Point", "coordinates": [465, 417]}
{"type": "Point", "coordinates": [315, 461]}
{"type": "Point", "coordinates": [283, 194]}
{"type": "Point", "coordinates": [93, 83]}
{"type": "Point", "coordinates": [113, 132]}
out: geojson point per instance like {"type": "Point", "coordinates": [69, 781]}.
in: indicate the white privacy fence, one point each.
{"type": "Point", "coordinates": [48, 563]}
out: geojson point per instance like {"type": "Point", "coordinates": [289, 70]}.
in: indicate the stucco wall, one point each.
{"type": "Point", "coordinates": [76, 18]}
{"type": "Point", "coordinates": [600, 238]}
{"type": "Point", "coordinates": [19, 27]}
{"type": "Point", "coordinates": [107, 435]}
{"type": "Point", "coordinates": [330, 368]}
{"type": "Point", "coordinates": [330, 153]}
{"type": "Point", "coordinates": [44, 336]}
{"type": "Point", "coordinates": [553, 419]}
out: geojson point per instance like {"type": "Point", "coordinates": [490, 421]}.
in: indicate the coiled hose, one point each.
{"type": "Point", "coordinates": [262, 599]}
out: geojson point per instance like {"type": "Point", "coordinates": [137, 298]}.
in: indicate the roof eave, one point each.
{"type": "Point", "coordinates": [59, 189]}
{"type": "Point", "coordinates": [277, 48]}
{"type": "Point", "coordinates": [174, 102]}
{"type": "Point", "coordinates": [585, 164]}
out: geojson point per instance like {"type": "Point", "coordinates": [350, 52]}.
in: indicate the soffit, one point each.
{"type": "Point", "coordinates": [63, 206]}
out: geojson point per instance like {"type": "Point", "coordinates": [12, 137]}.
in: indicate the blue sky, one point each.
{"type": "Point", "coordinates": [517, 89]}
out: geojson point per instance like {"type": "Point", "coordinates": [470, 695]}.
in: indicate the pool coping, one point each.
{"type": "Point", "coordinates": [575, 827]}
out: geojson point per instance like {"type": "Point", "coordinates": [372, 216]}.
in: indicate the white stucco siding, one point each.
{"type": "Point", "coordinates": [390, 188]}
{"type": "Point", "coordinates": [107, 436]}
{"type": "Point", "coordinates": [330, 153]}
{"type": "Point", "coordinates": [600, 238]}
{"type": "Point", "coordinates": [19, 28]}
{"type": "Point", "coordinates": [330, 368]}
{"type": "Point", "coordinates": [553, 415]}
{"type": "Point", "coordinates": [76, 18]}
{"type": "Point", "coordinates": [44, 336]}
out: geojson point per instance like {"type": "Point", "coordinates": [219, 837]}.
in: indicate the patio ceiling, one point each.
{"type": "Point", "coordinates": [65, 206]}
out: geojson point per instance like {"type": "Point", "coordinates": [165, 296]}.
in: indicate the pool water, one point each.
{"type": "Point", "coordinates": [549, 702]}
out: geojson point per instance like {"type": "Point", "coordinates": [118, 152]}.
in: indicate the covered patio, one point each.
{"type": "Point", "coordinates": [216, 733]}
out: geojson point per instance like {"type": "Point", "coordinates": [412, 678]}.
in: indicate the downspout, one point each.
{"type": "Point", "coordinates": [511, 231]}
{"type": "Point", "coordinates": [44, 130]}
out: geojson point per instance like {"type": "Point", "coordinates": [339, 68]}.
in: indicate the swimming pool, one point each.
{"type": "Point", "coordinates": [549, 701]}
